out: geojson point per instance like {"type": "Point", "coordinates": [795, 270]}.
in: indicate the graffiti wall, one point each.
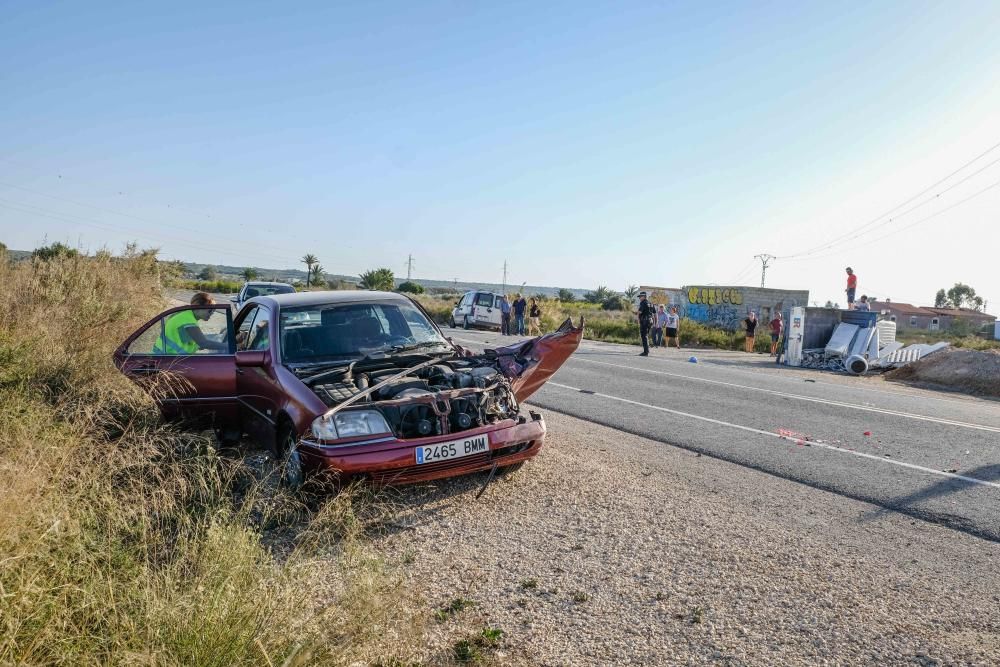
{"type": "Point", "coordinates": [715, 306]}
{"type": "Point", "coordinates": [726, 307]}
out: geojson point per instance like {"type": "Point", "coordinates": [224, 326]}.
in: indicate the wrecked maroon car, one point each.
{"type": "Point", "coordinates": [349, 383]}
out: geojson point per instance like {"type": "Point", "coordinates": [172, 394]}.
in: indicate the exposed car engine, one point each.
{"type": "Point", "coordinates": [447, 397]}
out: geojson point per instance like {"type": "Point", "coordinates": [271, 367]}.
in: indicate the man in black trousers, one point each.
{"type": "Point", "coordinates": [646, 315]}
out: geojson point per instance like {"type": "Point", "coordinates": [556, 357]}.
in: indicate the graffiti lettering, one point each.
{"type": "Point", "coordinates": [711, 296]}
{"type": "Point", "coordinates": [725, 317]}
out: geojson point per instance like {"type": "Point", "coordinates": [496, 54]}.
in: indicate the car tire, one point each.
{"type": "Point", "coordinates": [465, 323]}
{"type": "Point", "coordinates": [289, 461]}
{"type": "Point", "coordinates": [452, 322]}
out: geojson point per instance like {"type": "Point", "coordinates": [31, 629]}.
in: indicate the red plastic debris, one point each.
{"type": "Point", "coordinates": [868, 433]}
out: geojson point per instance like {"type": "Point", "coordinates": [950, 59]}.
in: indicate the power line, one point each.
{"type": "Point", "coordinates": [909, 226]}
{"type": "Point", "coordinates": [857, 231]}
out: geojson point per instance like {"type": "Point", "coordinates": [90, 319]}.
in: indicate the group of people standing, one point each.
{"type": "Point", "coordinates": [658, 321]}
{"type": "Point", "coordinates": [517, 310]}
{"type": "Point", "coordinates": [776, 326]}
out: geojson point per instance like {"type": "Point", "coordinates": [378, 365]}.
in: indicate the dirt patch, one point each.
{"type": "Point", "coordinates": [969, 371]}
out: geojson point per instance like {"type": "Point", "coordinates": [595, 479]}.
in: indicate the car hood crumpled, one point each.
{"type": "Point", "coordinates": [529, 364]}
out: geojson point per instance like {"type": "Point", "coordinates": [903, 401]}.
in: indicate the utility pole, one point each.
{"type": "Point", "coordinates": [765, 261]}
{"type": "Point", "coordinates": [409, 267]}
{"type": "Point", "coordinates": [504, 290]}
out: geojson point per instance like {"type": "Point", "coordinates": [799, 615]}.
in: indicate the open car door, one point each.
{"type": "Point", "coordinates": [186, 379]}
{"type": "Point", "coordinates": [530, 363]}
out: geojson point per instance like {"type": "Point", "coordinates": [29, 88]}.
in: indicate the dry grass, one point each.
{"type": "Point", "coordinates": [120, 539]}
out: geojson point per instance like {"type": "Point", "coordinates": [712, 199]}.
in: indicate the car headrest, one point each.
{"type": "Point", "coordinates": [332, 317]}
{"type": "Point", "coordinates": [252, 292]}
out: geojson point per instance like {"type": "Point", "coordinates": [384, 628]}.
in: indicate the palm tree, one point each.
{"type": "Point", "coordinates": [249, 274]}
{"type": "Point", "coordinates": [317, 274]}
{"type": "Point", "coordinates": [309, 259]}
{"type": "Point", "coordinates": [631, 292]}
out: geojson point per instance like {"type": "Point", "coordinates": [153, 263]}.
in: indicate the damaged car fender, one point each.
{"type": "Point", "coordinates": [531, 363]}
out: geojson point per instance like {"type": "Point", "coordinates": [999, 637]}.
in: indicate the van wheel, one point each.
{"type": "Point", "coordinates": [451, 322]}
{"type": "Point", "coordinates": [465, 322]}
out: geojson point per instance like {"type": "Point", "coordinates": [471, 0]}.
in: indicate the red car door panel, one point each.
{"type": "Point", "coordinates": [200, 384]}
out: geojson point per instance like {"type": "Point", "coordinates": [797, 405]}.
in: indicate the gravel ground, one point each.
{"type": "Point", "coordinates": [609, 549]}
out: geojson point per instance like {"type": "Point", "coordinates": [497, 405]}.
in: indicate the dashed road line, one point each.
{"type": "Point", "coordinates": [750, 429]}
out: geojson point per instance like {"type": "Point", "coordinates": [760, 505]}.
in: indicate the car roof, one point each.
{"type": "Point", "coordinates": [328, 297]}
{"type": "Point", "coordinates": [265, 283]}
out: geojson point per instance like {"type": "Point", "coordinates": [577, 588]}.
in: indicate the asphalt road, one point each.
{"type": "Point", "coordinates": [931, 455]}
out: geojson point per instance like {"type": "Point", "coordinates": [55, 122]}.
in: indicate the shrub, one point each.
{"type": "Point", "coordinates": [566, 296]}
{"type": "Point", "coordinates": [410, 287]}
{"type": "Point", "coordinates": [53, 251]}
{"type": "Point", "coordinates": [208, 274]}
{"type": "Point", "coordinates": [378, 279]}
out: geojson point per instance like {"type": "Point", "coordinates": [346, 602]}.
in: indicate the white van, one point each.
{"type": "Point", "coordinates": [477, 309]}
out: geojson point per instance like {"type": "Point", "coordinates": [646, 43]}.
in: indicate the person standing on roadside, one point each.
{"type": "Point", "coordinates": [750, 325]}
{"type": "Point", "coordinates": [852, 287]}
{"type": "Point", "coordinates": [673, 326]}
{"type": "Point", "coordinates": [504, 316]}
{"type": "Point", "coordinates": [658, 324]}
{"type": "Point", "coordinates": [534, 318]}
{"type": "Point", "coordinates": [646, 315]}
{"type": "Point", "coordinates": [776, 324]}
{"type": "Point", "coordinates": [520, 305]}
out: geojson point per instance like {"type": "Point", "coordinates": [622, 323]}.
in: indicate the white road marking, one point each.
{"type": "Point", "coordinates": [596, 345]}
{"type": "Point", "coordinates": [811, 399]}
{"type": "Point", "coordinates": [750, 429]}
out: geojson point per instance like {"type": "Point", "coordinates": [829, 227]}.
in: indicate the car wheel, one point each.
{"type": "Point", "coordinates": [452, 322]}
{"type": "Point", "coordinates": [289, 460]}
{"type": "Point", "coordinates": [465, 322]}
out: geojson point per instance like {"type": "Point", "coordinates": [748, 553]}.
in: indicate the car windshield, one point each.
{"type": "Point", "coordinates": [348, 331]}
{"type": "Point", "coordinates": [267, 290]}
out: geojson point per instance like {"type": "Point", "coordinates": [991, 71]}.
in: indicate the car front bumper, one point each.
{"type": "Point", "coordinates": [394, 461]}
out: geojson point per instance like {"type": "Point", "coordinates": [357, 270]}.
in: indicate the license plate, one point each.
{"type": "Point", "coordinates": [453, 450]}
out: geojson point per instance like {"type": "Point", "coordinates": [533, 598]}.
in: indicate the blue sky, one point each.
{"type": "Point", "coordinates": [584, 143]}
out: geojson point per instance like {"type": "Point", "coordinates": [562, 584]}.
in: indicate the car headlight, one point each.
{"type": "Point", "coordinates": [350, 424]}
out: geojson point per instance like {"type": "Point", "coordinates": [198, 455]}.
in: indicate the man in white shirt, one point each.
{"type": "Point", "coordinates": [672, 324]}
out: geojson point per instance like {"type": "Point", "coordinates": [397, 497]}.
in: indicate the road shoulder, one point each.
{"type": "Point", "coordinates": [614, 549]}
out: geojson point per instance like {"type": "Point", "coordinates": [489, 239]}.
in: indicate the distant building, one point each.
{"type": "Point", "coordinates": [726, 306]}
{"type": "Point", "coordinates": [908, 316]}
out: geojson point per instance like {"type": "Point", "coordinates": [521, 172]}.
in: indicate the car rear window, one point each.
{"type": "Point", "coordinates": [268, 290]}
{"type": "Point", "coordinates": [334, 331]}
{"type": "Point", "coordinates": [484, 299]}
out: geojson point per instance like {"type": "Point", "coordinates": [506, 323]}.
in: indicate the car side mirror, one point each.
{"type": "Point", "coordinates": [251, 358]}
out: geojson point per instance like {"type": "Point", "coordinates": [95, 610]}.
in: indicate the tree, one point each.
{"type": "Point", "coordinates": [317, 275]}
{"type": "Point", "coordinates": [208, 273]}
{"type": "Point", "coordinates": [249, 274]}
{"type": "Point", "coordinates": [566, 296]}
{"type": "Point", "coordinates": [410, 287]}
{"type": "Point", "coordinates": [309, 259]}
{"type": "Point", "coordinates": [378, 279]}
{"type": "Point", "coordinates": [599, 295]}
{"type": "Point", "coordinates": [631, 292]}
{"type": "Point", "coordinates": [54, 250]}
{"type": "Point", "coordinates": [959, 296]}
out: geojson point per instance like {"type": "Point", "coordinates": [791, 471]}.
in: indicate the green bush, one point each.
{"type": "Point", "coordinates": [410, 287]}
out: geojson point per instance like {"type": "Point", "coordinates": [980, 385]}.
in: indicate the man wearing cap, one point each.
{"type": "Point", "coordinates": [646, 315]}
{"type": "Point", "coordinates": [852, 286]}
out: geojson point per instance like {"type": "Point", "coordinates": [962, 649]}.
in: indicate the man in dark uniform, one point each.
{"type": "Point", "coordinates": [646, 315]}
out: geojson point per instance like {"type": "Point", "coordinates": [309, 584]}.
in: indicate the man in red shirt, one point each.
{"type": "Point", "coordinates": [776, 325]}
{"type": "Point", "coordinates": [852, 286]}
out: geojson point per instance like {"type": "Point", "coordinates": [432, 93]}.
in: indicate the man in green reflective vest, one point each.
{"type": "Point", "coordinates": [181, 333]}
